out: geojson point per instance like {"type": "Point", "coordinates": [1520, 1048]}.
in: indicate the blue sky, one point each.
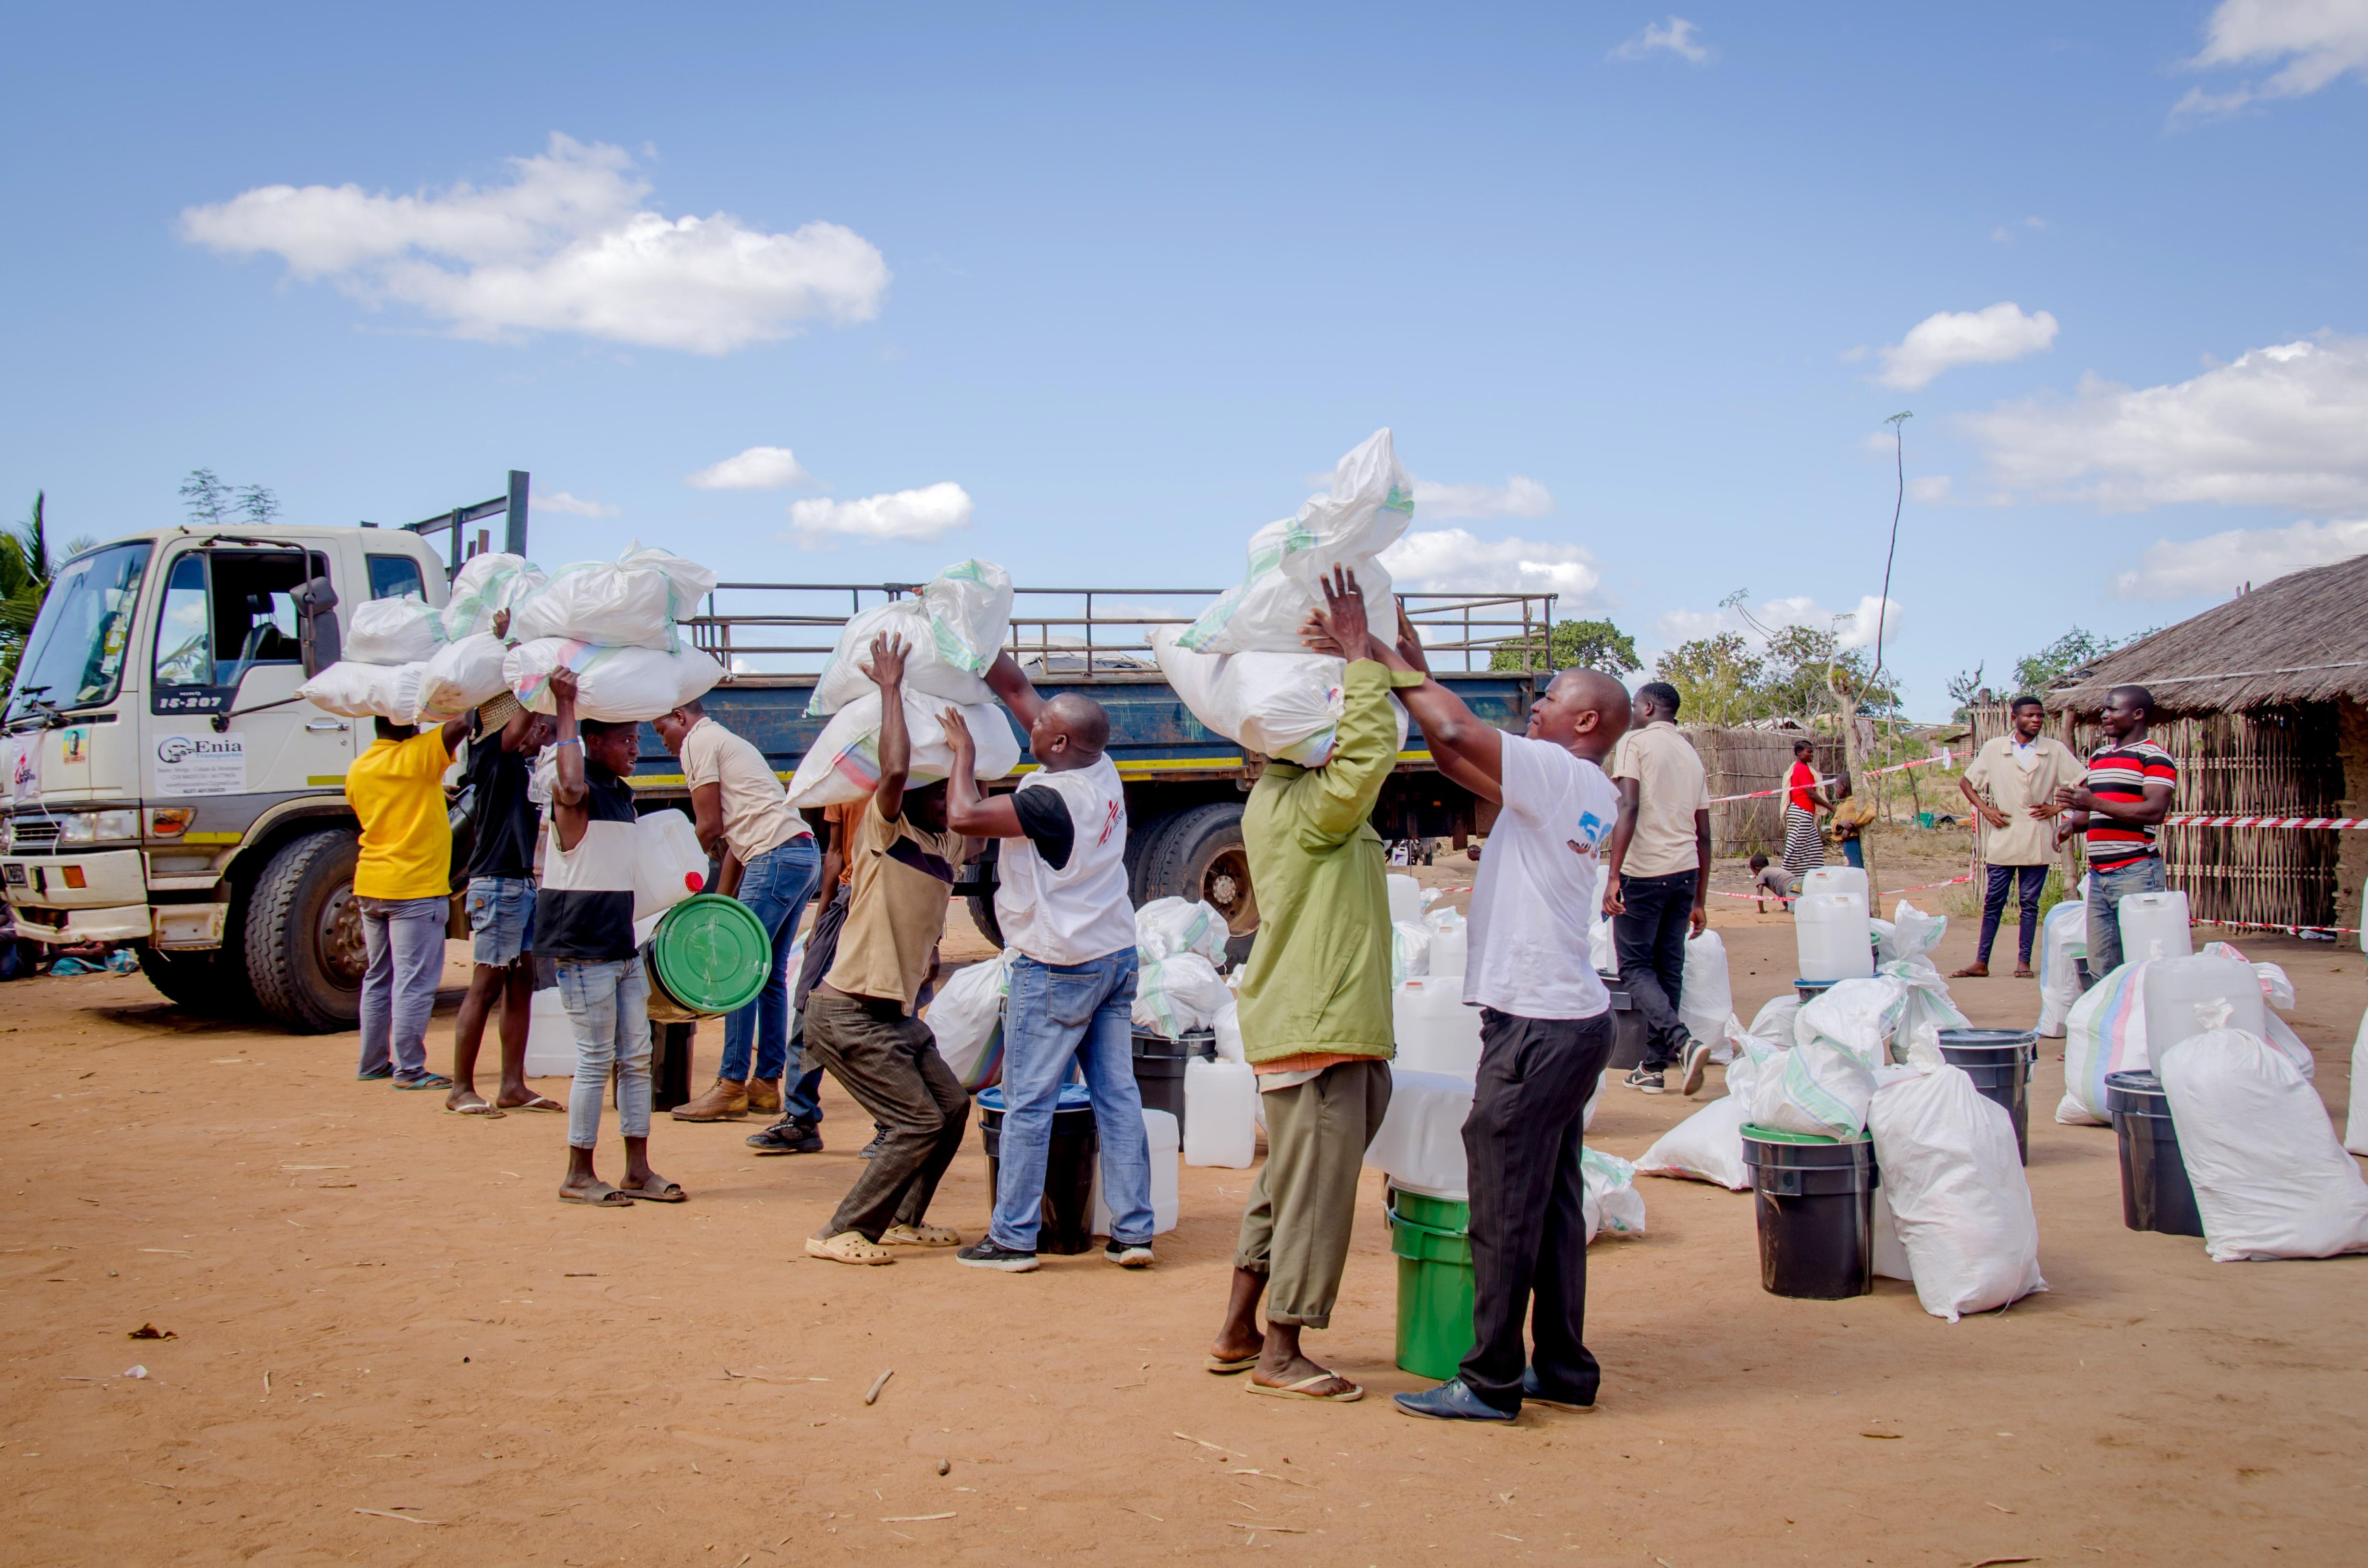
{"type": "Point", "coordinates": [1093, 293]}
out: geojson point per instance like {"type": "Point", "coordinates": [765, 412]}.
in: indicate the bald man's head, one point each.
{"type": "Point", "coordinates": [1070, 733]}
{"type": "Point", "coordinates": [1583, 711]}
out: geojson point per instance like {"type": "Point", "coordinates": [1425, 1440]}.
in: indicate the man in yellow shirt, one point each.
{"type": "Point", "coordinates": [402, 882]}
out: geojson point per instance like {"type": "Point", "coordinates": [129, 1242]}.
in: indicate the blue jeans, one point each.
{"type": "Point", "coordinates": [404, 940]}
{"type": "Point", "coordinates": [2106, 890]}
{"type": "Point", "coordinates": [1081, 1012]}
{"type": "Point", "coordinates": [608, 1004]}
{"type": "Point", "coordinates": [1852, 853]}
{"type": "Point", "coordinates": [775, 886]}
{"type": "Point", "coordinates": [501, 919]}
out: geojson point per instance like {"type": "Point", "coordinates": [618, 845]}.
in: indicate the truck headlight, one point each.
{"type": "Point", "coordinates": [93, 827]}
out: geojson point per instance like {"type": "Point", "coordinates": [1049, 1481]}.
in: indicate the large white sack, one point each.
{"type": "Point", "coordinates": [1777, 1020]}
{"type": "Point", "coordinates": [1420, 1144]}
{"type": "Point", "coordinates": [1925, 1007]}
{"type": "Point", "coordinates": [1178, 994]}
{"type": "Point", "coordinates": [844, 762]}
{"type": "Point", "coordinates": [1857, 1014]}
{"type": "Point", "coordinates": [1909, 933]}
{"type": "Point", "coordinates": [2355, 1124]}
{"type": "Point", "coordinates": [1409, 952]}
{"type": "Point", "coordinates": [1367, 508]}
{"type": "Point", "coordinates": [360, 692]}
{"type": "Point", "coordinates": [2062, 941]}
{"type": "Point", "coordinates": [1608, 1200]}
{"type": "Point", "coordinates": [1955, 1189]}
{"type": "Point", "coordinates": [632, 602]}
{"type": "Point", "coordinates": [486, 584]}
{"type": "Point", "coordinates": [965, 1016]}
{"type": "Point", "coordinates": [1704, 999]}
{"type": "Point", "coordinates": [1705, 1146]}
{"type": "Point", "coordinates": [2105, 1033]}
{"type": "Point", "coordinates": [393, 631]}
{"type": "Point", "coordinates": [2270, 1178]}
{"type": "Point", "coordinates": [969, 613]}
{"type": "Point", "coordinates": [1285, 706]}
{"type": "Point", "coordinates": [1166, 927]}
{"type": "Point", "coordinates": [1602, 948]}
{"type": "Point", "coordinates": [463, 674]}
{"type": "Point", "coordinates": [614, 684]}
{"type": "Point", "coordinates": [1820, 1088]}
{"type": "Point", "coordinates": [1890, 1253]}
{"type": "Point", "coordinates": [927, 672]}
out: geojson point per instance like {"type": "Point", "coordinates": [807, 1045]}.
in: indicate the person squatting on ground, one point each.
{"type": "Point", "coordinates": [1315, 1020]}
{"type": "Point", "coordinates": [1658, 886]}
{"type": "Point", "coordinates": [2120, 805]}
{"type": "Point", "coordinates": [584, 923]}
{"type": "Point", "coordinates": [1804, 850]}
{"type": "Point", "coordinates": [500, 902]}
{"type": "Point", "coordinates": [1545, 1021]}
{"type": "Point", "coordinates": [769, 864]}
{"type": "Point", "coordinates": [1769, 881]}
{"type": "Point", "coordinates": [1061, 902]}
{"type": "Point", "coordinates": [859, 1020]}
{"type": "Point", "coordinates": [2011, 784]}
{"type": "Point", "coordinates": [403, 882]}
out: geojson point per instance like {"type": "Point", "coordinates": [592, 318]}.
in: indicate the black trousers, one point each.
{"type": "Point", "coordinates": [1650, 934]}
{"type": "Point", "coordinates": [1528, 1232]}
{"type": "Point", "coordinates": [2034, 882]}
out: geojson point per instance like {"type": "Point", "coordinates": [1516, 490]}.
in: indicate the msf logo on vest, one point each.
{"type": "Point", "coordinates": [1110, 823]}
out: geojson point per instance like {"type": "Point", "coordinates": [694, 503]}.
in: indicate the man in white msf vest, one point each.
{"type": "Point", "coordinates": [1062, 904]}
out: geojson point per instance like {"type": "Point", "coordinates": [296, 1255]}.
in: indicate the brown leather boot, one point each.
{"type": "Point", "coordinates": [765, 1096]}
{"type": "Point", "coordinates": [724, 1102]}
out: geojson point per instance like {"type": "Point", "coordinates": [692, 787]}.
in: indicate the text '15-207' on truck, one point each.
{"type": "Point", "coordinates": [168, 791]}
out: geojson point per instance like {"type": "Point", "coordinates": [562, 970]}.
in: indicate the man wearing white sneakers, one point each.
{"type": "Point", "coordinates": [1063, 903]}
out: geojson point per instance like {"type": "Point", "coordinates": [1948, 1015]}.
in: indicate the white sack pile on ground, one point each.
{"type": "Point", "coordinates": [1955, 1190]}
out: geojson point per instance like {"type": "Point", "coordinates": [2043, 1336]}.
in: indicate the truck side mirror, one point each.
{"type": "Point", "coordinates": [317, 624]}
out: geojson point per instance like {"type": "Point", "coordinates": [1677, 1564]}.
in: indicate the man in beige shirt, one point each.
{"type": "Point", "coordinates": [2012, 784]}
{"type": "Point", "coordinates": [1657, 880]}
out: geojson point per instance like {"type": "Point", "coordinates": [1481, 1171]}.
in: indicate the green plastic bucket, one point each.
{"type": "Point", "coordinates": [708, 956]}
{"type": "Point", "coordinates": [1434, 1283]}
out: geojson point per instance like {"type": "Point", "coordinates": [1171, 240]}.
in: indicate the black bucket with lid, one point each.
{"type": "Point", "coordinates": [1814, 1198]}
{"type": "Point", "coordinates": [1066, 1227]}
{"type": "Point", "coordinates": [1159, 1068]}
{"type": "Point", "coordinates": [2156, 1193]}
{"type": "Point", "coordinates": [1998, 1062]}
{"type": "Point", "coordinates": [1630, 1033]}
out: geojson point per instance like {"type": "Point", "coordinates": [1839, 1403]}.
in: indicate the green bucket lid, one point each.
{"type": "Point", "coordinates": [1752, 1129]}
{"type": "Point", "coordinates": [710, 954]}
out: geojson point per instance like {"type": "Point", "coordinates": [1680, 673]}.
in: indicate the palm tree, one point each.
{"type": "Point", "coordinates": [23, 581]}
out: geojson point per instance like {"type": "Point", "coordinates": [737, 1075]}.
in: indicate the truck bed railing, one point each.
{"type": "Point", "coordinates": [1085, 631]}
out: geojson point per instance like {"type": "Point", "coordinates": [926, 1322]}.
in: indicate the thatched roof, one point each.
{"type": "Point", "coordinates": [2301, 638]}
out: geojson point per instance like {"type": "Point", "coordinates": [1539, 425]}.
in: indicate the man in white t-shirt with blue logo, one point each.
{"type": "Point", "coordinates": [1546, 1027]}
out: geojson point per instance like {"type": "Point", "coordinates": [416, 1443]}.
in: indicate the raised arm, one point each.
{"type": "Point", "coordinates": [967, 811]}
{"type": "Point", "coordinates": [1365, 746]}
{"type": "Point", "coordinates": [895, 742]}
{"type": "Point", "coordinates": [1005, 678]}
{"type": "Point", "coordinates": [1467, 748]}
{"type": "Point", "coordinates": [569, 788]}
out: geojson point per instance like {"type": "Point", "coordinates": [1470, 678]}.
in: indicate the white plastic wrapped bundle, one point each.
{"type": "Point", "coordinates": [486, 584]}
{"type": "Point", "coordinates": [1954, 1185]}
{"type": "Point", "coordinates": [969, 613]}
{"type": "Point", "coordinates": [2062, 941]}
{"type": "Point", "coordinates": [463, 674]}
{"type": "Point", "coordinates": [846, 678]}
{"type": "Point", "coordinates": [1286, 706]}
{"type": "Point", "coordinates": [844, 762]}
{"type": "Point", "coordinates": [1706, 1001]}
{"type": "Point", "coordinates": [1178, 994]}
{"type": "Point", "coordinates": [614, 684]}
{"type": "Point", "coordinates": [1608, 1200]}
{"type": "Point", "coordinates": [360, 692]}
{"type": "Point", "coordinates": [1409, 952]}
{"type": "Point", "coordinates": [393, 631]}
{"type": "Point", "coordinates": [631, 602]}
{"type": "Point", "coordinates": [966, 1018]}
{"type": "Point", "coordinates": [1166, 927]}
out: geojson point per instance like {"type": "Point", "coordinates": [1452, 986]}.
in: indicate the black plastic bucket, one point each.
{"type": "Point", "coordinates": [1814, 1200]}
{"type": "Point", "coordinates": [1630, 1033]}
{"type": "Point", "coordinates": [1159, 1068]}
{"type": "Point", "coordinates": [1998, 1062]}
{"type": "Point", "coordinates": [1067, 1228]}
{"type": "Point", "coordinates": [2155, 1194]}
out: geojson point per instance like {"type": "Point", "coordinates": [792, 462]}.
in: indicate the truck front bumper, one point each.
{"type": "Point", "coordinates": [124, 922]}
{"type": "Point", "coordinates": [100, 896]}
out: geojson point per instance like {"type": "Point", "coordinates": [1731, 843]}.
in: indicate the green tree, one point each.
{"type": "Point", "coordinates": [1807, 673]}
{"type": "Point", "coordinates": [2035, 673]}
{"type": "Point", "coordinates": [1718, 679]}
{"type": "Point", "coordinates": [23, 583]}
{"type": "Point", "coordinates": [1579, 644]}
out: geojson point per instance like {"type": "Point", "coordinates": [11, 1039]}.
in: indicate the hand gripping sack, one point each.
{"type": "Point", "coordinates": [966, 1016]}
{"type": "Point", "coordinates": [1954, 1187]}
{"type": "Point", "coordinates": [463, 674]}
{"type": "Point", "coordinates": [844, 762]}
{"type": "Point", "coordinates": [393, 631]}
{"type": "Point", "coordinates": [360, 692]}
{"type": "Point", "coordinates": [1167, 926]}
{"type": "Point", "coordinates": [928, 673]}
{"type": "Point", "coordinates": [1285, 706]}
{"type": "Point", "coordinates": [486, 584]}
{"type": "Point", "coordinates": [1176, 994]}
{"type": "Point", "coordinates": [2270, 1178]}
{"type": "Point", "coordinates": [614, 684]}
{"type": "Point", "coordinates": [1704, 999]}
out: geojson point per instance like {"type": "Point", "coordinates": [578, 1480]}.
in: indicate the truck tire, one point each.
{"type": "Point", "coordinates": [305, 951]}
{"type": "Point", "coordinates": [981, 914]}
{"type": "Point", "coordinates": [1141, 835]}
{"type": "Point", "coordinates": [195, 980]}
{"type": "Point", "coordinates": [1198, 854]}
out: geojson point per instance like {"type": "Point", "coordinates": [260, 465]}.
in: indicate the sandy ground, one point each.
{"type": "Point", "coordinates": [393, 1346]}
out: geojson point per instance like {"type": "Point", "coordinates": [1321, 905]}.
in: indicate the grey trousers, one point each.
{"type": "Point", "coordinates": [1304, 1207]}
{"type": "Point", "coordinates": [890, 1064]}
{"type": "Point", "coordinates": [404, 939]}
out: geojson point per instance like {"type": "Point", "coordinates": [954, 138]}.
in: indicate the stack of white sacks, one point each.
{"type": "Point", "coordinates": [614, 625]}
{"type": "Point", "coordinates": [411, 661]}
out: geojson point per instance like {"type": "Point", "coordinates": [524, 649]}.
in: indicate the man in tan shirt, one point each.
{"type": "Point", "coordinates": [1657, 880]}
{"type": "Point", "coordinates": [2012, 784]}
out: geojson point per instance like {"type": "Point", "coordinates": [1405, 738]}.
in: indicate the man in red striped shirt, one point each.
{"type": "Point", "coordinates": [2121, 805]}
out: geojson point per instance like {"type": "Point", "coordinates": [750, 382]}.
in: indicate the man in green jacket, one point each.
{"type": "Point", "coordinates": [1315, 1021]}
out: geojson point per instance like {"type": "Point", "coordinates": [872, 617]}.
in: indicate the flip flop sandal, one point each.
{"type": "Point", "coordinates": [474, 1108]}
{"type": "Point", "coordinates": [667, 1192]}
{"type": "Point", "coordinates": [537, 1103]}
{"type": "Point", "coordinates": [1226, 1368]}
{"type": "Point", "coordinates": [599, 1197]}
{"type": "Point", "coordinates": [1299, 1390]}
{"type": "Point", "coordinates": [426, 1081]}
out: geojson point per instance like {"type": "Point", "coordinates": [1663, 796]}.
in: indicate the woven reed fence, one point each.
{"type": "Point", "coordinates": [1741, 761]}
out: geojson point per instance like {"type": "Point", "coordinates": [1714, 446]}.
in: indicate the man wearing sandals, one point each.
{"type": "Point", "coordinates": [859, 1019]}
{"type": "Point", "coordinates": [1316, 1021]}
{"type": "Point", "coordinates": [500, 902]}
{"type": "Point", "coordinates": [402, 883]}
{"type": "Point", "coordinates": [583, 922]}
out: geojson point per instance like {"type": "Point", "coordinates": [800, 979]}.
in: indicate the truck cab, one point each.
{"type": "Point", "coordinates": [166, 785]}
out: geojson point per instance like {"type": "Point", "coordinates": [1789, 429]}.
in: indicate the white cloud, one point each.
{"type": "Point", "coordinates": [1931, 489]}
{"type": "Point", "coordinates": [1517, 497]}
{"type": "Point", "coordinates": [2313, 42]}
{"type": "Point", "coordinates": [2281, 427]}
{"type": "Point", "coordinates": [2216, 566]}
{"type": "Point", "coordinates": [575, 505]}
{"type": "Point", "coordinates": [568, 246]}
{"type": "Point", "coordinates": [1853, 628]}
{"type": "Point", "coordinates": [1949, 339]}
{"type": "Point", "coordinates": [2005, 234]}
{"type": "Point", "coordinates": [758, 468]}
{"type": "Point", "coordinates": [1676, 35]}
{"type": "Point", "coordinates": [1454, 560]}
{"type": "Point", "coordinates": [922, 514]}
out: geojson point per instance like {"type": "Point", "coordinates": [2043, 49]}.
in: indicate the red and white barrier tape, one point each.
{"type": "Point", "coordinates": [2288, 930]}
{"type": "Point", "coordinates": [2200, 819]}
{"type": "Point", "coordinates": [1887, 892]}
{"type": "Point", "coordinates": [1944, 758]}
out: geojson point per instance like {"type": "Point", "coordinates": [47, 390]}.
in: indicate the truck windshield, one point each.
{"type": "Point", "coordinates": [75, 656]}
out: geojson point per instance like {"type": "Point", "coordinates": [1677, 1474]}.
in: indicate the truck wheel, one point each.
{"type": "Point", "coordinates": [981, 914]}
{"type": "Point", "coordinates": [1199, 855]}
{"type": "Point", "coordinates": [304, 949]}
{"type": "Point", "coordinates": [1142, 834]}
{"type": "Point", "coordinates": [194, 980]}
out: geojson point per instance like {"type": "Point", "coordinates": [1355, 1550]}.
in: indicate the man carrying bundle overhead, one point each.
{"type": "Point", "coordinates": [860, 1018]}
{"type": "Point", "coordinates": [1316, 1021]}
{"type": "Point", "coordinates": [1546, 1027]}
{"type": "Point", "coordinates": [1063, 903]}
